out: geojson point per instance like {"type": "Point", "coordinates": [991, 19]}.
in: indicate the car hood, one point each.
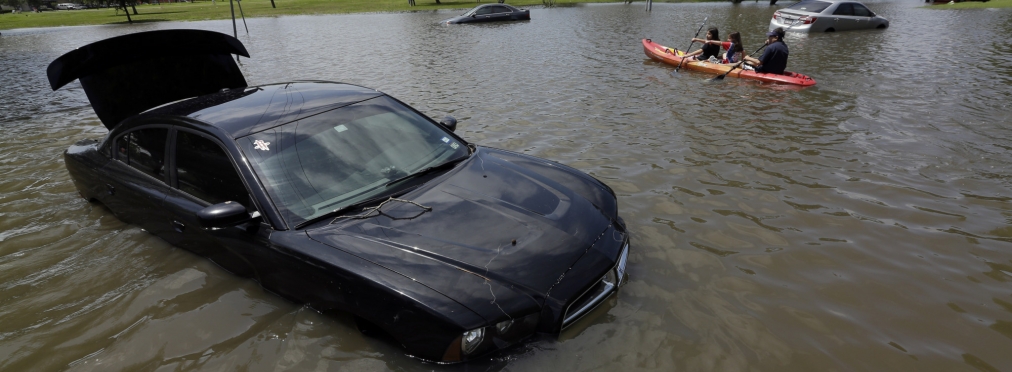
{"type": "Point", "coordinates": [490, 216]}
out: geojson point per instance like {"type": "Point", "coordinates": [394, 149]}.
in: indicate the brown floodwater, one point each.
{"type": "Point", "coordinates": [864, 223]}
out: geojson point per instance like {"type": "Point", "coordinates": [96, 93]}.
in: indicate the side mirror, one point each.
{"type": "Point", "coordinates": [474, 15]}
{"type": "Point", "coordinates": [450, 123]}
{"type": "Point", "coordinates": [222, 215]}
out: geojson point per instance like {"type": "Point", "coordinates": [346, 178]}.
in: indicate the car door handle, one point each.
{"type": "Point", "coordinates": [178, 226]}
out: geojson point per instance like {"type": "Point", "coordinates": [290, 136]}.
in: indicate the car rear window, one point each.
{"type": "Point", "coordinates": [810, 6]}
{"type": "Point", "coordinates": [144, 150]}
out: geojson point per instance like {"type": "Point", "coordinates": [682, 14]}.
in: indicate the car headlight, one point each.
{"type": "Point", "coordinates": [620, 268]}
{"type": "Point", "coordinates": [495, 336]}
{"type": "Point", "coordinates": [610, 278]}
{"type": "Point", "coordinates": [469, 343]}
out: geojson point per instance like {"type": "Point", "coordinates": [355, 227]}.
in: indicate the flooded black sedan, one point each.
{"type": "Point", "coordinates": [342, 197]}
{"type": "Point", "coordinates": [492, 13]}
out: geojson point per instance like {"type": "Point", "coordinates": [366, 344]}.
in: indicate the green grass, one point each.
{"type": "Point", "coordinates": [205, 10]}
{"type": "Point", "coordinates": [974, 5]}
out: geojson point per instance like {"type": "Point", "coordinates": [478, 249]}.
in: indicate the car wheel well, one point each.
{"type": "Point", "coordinates": [830, 29]}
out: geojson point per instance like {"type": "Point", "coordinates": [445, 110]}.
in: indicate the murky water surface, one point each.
{"type": "Point", "coordinates": [861, 224]}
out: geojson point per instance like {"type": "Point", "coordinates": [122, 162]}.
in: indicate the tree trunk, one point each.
{"type": "Point", "coordinates": [122, 4]}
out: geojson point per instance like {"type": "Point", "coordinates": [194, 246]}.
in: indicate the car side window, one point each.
{"type": "Point", "coordinates": [861, 11]}
{"type": "Point", "coordinates": [144, 150]}
{"type": "Point", "coordinates": [485, 10]}
{"type": "Point", "coordinates": [844, 9]}
{"type": "Point", "coordinates": [500, 9]}
{"type": "Point", "coordinates": [204, 170]}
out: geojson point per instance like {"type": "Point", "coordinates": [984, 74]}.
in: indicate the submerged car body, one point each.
{"type": "Point", "coordinates": [342, 197]}
{"type": "Point", "coordinates": [827, 16]}
{"type": "Point", "coordinates": [491, 13]}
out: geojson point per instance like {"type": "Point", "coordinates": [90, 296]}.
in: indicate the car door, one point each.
{"type": "Point", "coordinates": [483, 14]}
{"type": "Point", "coordinates": [202, 174]}
{"type": "Point", "coordinates": [863, 17]}
{"type": "Point", "coordinates": [136, 180]}
{"type": "Point", "coordinates": [501, 13]}
{"type": "Point", "coordinates": [843, 17]}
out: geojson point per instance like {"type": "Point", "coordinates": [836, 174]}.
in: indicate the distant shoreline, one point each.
{"type": "Point", "coordinates": [219, 9]}
{"type": "Point", "coordinates": [204, 10]}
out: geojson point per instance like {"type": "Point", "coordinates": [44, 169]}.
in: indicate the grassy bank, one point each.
{"type": "Point", "coordinates": [974, 5]}
{"type": "Point", "coordinates": [205, 10]}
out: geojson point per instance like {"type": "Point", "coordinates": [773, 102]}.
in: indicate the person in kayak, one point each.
{"type": "Point", "coordinates": [774, 58]}
{"type": "Point", "coordinates": [708, 50]}
{"type": "Point", "coordinates": [735, 51]}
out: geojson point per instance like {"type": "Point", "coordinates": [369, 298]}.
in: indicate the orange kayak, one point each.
{"type": "Point", "coordinates": [673, 57]}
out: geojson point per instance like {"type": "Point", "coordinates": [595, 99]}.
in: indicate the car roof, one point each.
{"type": "Point", "coordinates": [829, 1]}
{"type": "Point", "coordinates": [824, 1]}
{"type": "Point", "coordinates": [490, 5]}
{"type": "Point", "coordinates": [242, 111]}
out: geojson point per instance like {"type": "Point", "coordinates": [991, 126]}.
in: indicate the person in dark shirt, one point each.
{"type": "Point", "coordinates": [733, 45]}
{"type": "Point", "coordinates": [708, 50]}
{"type": "Point", "coordinates": [774, 58]}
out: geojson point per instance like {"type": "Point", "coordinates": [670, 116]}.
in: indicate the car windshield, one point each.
{"type": "Point", "coordinates": [328, 161]}
{"type": "Point", "coordinates": [810, 6]}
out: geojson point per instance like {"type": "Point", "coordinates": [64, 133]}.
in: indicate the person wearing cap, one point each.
{"type": "Point", "coordinates": [774, 58]}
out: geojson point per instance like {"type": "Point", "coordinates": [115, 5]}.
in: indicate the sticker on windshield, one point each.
{"type": "Point", "coordinates": [454, 145]}
{"type": "Point", "coordinates": [340, 128]}
{"type": "Point", "coordinates": [261, 145]}
{"type": "Point", "coordinates": [446, 140]}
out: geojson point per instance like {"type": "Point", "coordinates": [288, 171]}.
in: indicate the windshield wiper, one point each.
{"type": "Point", "coordinates": [351, 206]}
{"type": "Point", "coordinates": [429, 170]}
{"type": "Point", "coordinates": [339, 211]}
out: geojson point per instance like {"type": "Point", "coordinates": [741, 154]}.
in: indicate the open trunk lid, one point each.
{"type": "Point", "coordinates": [126, 75]}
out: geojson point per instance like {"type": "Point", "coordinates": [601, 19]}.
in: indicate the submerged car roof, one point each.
{"type": "Point", "coordinates": [242, 111]}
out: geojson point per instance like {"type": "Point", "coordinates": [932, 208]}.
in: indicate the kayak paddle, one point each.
{"type": "Point", "coordinates": [690, 44]}
{"type": "Point", "coordinates": [721, 76]}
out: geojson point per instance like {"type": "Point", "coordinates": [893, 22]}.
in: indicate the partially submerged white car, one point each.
{"type": "Point", "coordinates": [827, 16]}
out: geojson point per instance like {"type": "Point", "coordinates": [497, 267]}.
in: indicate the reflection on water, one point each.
{"type": "Point", "coordinates": [860, 224]}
